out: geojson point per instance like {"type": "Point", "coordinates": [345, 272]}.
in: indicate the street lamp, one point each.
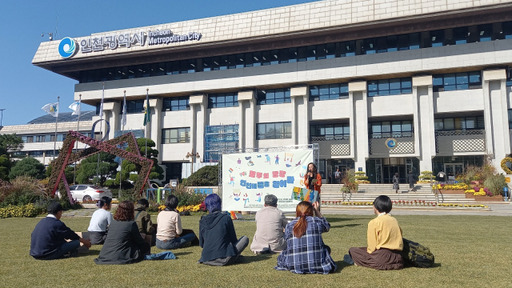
{"type": "Point", "coordinates": [192, 155]}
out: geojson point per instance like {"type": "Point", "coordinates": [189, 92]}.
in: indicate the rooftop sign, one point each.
{"type": "Point", "coordinates": [124, 40]}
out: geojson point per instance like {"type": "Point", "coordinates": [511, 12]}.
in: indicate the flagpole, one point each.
{"type": "Point", "coordinates": [56, 121]}
{"type": "Point", "coordinates": [147, 117]}
{"type": "Point", "coordinates": [123, 122]}
{"type": "Point", "coordinates": [77, 130]}
{"type": "Point", "coordinates": [101, 129]}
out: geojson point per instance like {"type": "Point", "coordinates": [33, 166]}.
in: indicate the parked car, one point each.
{"type": "Point", "coordinates": [85, 192]}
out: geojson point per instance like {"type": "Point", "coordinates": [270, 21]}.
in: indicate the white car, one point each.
{"type": "Point", "coordinates": [85, 192]}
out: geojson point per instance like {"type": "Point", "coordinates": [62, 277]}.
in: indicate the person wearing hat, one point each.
{"type": "Point", "coordinates": [49, 238]}
{"type": "Point", "coordinates": [270, 224]}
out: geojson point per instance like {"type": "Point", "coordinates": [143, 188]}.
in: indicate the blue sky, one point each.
{"type": "Point", "coordinates": [25, 88]}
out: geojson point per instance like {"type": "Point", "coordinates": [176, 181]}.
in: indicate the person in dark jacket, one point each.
{"type": "Point", "coordinates": [124, 244]}
{"type": "Point", "coordinates": [217, 235]}
{"type": "Point", "coordinates": [146, 227]}
{"type": "Point", "coordinates": [48, 240]}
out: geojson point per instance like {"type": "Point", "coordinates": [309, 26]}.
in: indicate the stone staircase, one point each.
{"type": "Point", "coordinates": [368, 192]}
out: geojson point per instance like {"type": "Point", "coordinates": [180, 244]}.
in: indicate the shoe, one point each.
{"type": "Point", "coordinates": [347, 259]}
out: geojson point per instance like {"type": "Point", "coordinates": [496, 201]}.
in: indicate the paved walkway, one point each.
{"type": "Point", "coordinates": [495, 209]}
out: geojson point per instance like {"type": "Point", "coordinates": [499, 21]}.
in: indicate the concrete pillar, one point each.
{"type": "Point", "coordinates": [497, 136]}
{"type": "Point", "coordinates": [423, 118]}
{"type": "Point", "coordinates": [300, 114]}
{"type": "Point", "coordinates": [247, 114]}
{"type": "Point", "coordinates": [357, 93]}
{"type": "Point", "coordinates": [197, 124]}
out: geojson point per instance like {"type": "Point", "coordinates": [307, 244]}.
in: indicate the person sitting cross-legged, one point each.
{"type": "Point", "coordinates": [169, 233]}
{"type": "Point", "coordinates": [217, 235]}
{"type": "Point", "coordinates": [49, 238]}
{"type": "Point", "coordinates": [385, 242]}
{"type": "Point", "coordinates": [270, 224]}
{"type": "Point", "coordinates": [305, 249]}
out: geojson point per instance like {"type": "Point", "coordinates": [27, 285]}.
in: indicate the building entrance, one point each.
{"type": "Point", "coordinates": [381, 170]}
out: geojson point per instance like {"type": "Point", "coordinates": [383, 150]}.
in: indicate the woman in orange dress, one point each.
{"type": "Point", "coordinates": [313, 179]}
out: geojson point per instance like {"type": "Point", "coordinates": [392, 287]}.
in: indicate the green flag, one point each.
{"type": "Point", "coordinates": [147, 111]}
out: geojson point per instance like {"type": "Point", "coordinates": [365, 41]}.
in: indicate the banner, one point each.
{"type": "Point", "coordinates": [248, 177]}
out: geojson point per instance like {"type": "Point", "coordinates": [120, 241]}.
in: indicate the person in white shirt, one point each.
{"type": "Point", "coordinates": [169, 233]}
{"type": "Point", "coordinates": [270, 224]}
{"type": "Point", "coordinates": [100, 221]}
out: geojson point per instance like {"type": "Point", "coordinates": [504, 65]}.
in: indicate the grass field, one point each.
{"type": "Point", "coordinates": [471, 251]}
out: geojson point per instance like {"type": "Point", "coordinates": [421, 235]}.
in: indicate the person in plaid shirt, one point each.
{"type": "Point", "coordinates": [306, 251]}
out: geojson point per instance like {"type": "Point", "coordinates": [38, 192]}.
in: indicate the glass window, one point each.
{"type": "Point", "coordinates": [384, 129]}
{"type": "Point", "coordinates": [134, 106]}
{"type": "Point", "coordinates": [458, 81]}
{"type": "Point", "coordinates": [386, 87]}
{"type": "Point", "coordinates": [175, 135]}
{"type": "Point", "coordinates": [175, 104]}
{"type": "Point", "coordinates": [220, 100]}
{"type": "Point", "coordinates": [276, 130]}
{"type": "Point", "coordinates": [328, 92]}
{"type": "Point", "coordinates": [337, 131]}
{"type": "Point", "coordinates": [273, 96]}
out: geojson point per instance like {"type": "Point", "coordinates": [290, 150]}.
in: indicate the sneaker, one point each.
{"type": "Point", "coordinates": [347, 259]}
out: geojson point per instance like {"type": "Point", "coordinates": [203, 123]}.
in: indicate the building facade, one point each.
{"type": "Point", "coordinates": [382, 86]}
{"type": "Point", "coordinates": [43, 137]}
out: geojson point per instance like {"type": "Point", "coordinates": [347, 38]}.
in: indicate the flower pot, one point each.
{"type": "Point", "coordinates": [489, 198]}
{"type": "Point", "coordinates": [448, 191]}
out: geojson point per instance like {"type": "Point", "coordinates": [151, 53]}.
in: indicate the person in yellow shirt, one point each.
{"type": "Point", "coordinates": [384, 240]}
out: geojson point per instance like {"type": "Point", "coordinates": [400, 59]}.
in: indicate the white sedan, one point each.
{"type": "Point", "coordinates": [86, 193]}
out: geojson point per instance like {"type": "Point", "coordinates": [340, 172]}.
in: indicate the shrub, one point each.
{"type": "Point", "coordinates": [206, 176]}
{"type": "Point", "coordinates": [21, 191]}
{"type": "Point", "coordinates": [495, 184]}
{"type": "Point", "coordinates": [29, 210]}
{"type": "Point", "coordinates": [187, 196]}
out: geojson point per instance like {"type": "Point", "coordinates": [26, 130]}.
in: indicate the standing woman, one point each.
{"type": "Point", "coordinates": [100, 221]}
{"type": "Point", "coordinates": [313, 179]}
{"type": "Point", "coordinates": [124, 244]}
{"type": "Point", "coordinates": [396, 181]}
{"type": "Point", "coordinates": [305, 249]}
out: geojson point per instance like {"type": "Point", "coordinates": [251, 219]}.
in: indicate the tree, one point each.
{"type": "Point", "coordinates": [27, 167]}
{"type": "Point", "coordinates": [5, 166]}
{"type": "Point", "coordinates": [10, 143]}
{"type": "Point", "coordinates": [206, 176]}
{"type": "Point", "coordinates": [128, 167]}
{"type": "Point", "coordinates": [91, 168]}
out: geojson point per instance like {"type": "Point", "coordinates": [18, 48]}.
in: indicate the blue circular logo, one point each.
{"type": "Point", "coordinates": [67, 47]}
{"type": "Point", "coordinates": [391, 143]}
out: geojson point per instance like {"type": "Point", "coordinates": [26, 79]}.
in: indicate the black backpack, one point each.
{"type": "Point", "coordinates": [417, 255]}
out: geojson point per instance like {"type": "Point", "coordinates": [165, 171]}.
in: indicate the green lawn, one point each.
{"type": "Point", "coordinates": [471, 251]}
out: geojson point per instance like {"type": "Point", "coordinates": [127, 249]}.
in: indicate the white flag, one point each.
{"type": "Point", "coordinates": [52, 109]}
{"type": "Point", "coordinates": [75, 106]}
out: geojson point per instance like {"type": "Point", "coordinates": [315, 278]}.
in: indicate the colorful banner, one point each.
{"type": "Point", "coordinates": [248, 177]}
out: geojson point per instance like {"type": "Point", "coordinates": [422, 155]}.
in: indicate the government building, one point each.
{"type": "Point", "coordinates": [381, 86]}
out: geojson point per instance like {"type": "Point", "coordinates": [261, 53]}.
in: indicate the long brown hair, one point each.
{"type": "Point", "coordinates": [304, 208]}
{"type": "Point", "coordinates": [125, 211]}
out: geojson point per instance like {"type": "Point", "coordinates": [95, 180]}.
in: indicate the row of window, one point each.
{"type": "Point", "coordinates": [40, 138]}
{"type": "Point", "coordinates": [459, 123]}
{"type": "Point", "coordinates": [396, 86]}
{"type": "Point", "coordinates": [451, 36]}
{"type": "Point", "coordinates": [386, 129]}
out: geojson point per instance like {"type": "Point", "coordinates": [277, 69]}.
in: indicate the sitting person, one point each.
{"type": "Point", "coordinates": [143, 219]}
{"type": "Point", "coordinates": [169, 233]}
{"type": "Point", "coordinates": [305, 249]}
{"type": "Point", "coordinates": [270, 224]}
{"type": "Point", "coordinates": [384, 240]}
{"type": "Point", "coordinates": [100, 221]}
{"type": "Point", "coordinates": [124, 244]}
{"type": "Point", "coordinates": [48, 240]}
{"type": "Point", "coordinates": [217, 235]}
